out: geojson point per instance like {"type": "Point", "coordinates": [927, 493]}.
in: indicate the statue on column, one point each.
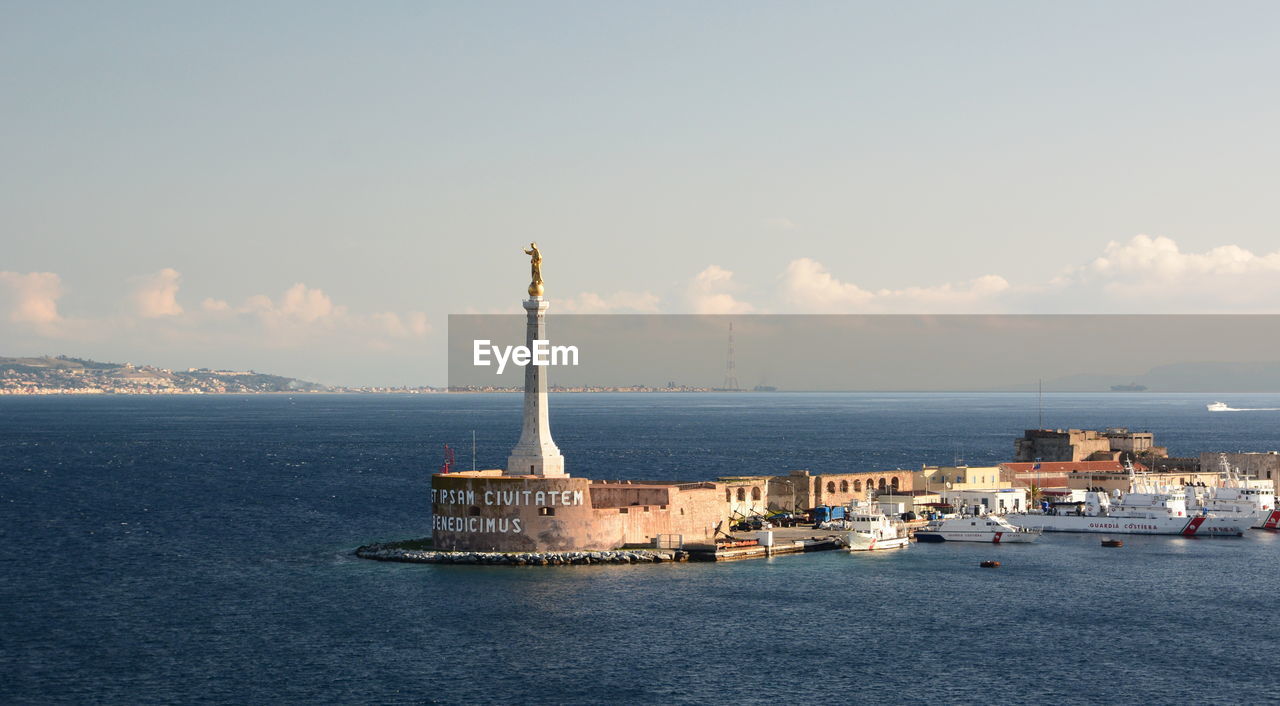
{"type": "Point", "coordinates": [535, 260]}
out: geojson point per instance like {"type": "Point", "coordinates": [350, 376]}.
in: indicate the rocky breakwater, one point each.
{"type": "Point", "coordinates": [391, 552]}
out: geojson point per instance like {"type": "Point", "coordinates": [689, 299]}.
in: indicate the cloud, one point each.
{"type": "Point", "coordinates": [618, 302]}
{"type": "Point", "coordinates": [35, 296]}
{"type": "Point", "coordinates": [156, 295]}
{"type": "Point", "coordinates": [305, 314]}
{"type": "Point", "coordinates": [411, 325]}
{"type": "Point", "coordinates": [1153, 275]}
{"type": "Point", "coordinates": [806, 286]}
{"type": "Point", "coordinates": [709, 293]}
{"type": "Point", "coordinates": [299, 303]}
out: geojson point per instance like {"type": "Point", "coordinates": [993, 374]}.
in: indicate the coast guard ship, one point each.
{"type": "Point", "coordinates": [1147, 509]}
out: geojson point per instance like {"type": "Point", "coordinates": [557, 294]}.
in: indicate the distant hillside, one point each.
{"type": "Point", "coordinates": [68, 375]}
{"type": "Point", "coordinates": [1177, 377]}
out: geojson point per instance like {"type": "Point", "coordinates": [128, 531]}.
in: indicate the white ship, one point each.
{"type": "Point", "coordinates": [870, 530]}
{"type": "Point", "coordinates": [1218, 407]}
{"type": "Point", "coordinates": [1253, 500]}
{"type": "Point", "coordinates": [1147, 509]}
{"type": "Point", "coordinates": [991, 528]}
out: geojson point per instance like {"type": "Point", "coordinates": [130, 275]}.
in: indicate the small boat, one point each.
{"type": "Point", "coordinates": [1112, 543]}
{"type": "Point", "coordinates": [991, 528]}
{"type": "Point", "coordinates": [1218, 407]}
{"type": "Point", "coordinates": [990, 564]}
{"type": "Point", "coordinates": [870, 530]}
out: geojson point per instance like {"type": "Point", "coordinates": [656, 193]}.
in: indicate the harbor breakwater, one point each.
{"type": "Point", "coordinates": [392, 552]}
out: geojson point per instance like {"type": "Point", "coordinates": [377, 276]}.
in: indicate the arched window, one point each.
{"type": "Point", "coordinates": [742, 494]}
{"type": "Point", "coordinates": [831, 486]}
{"type": "Point", "coordinates": [857, 486]}
{"type": "Point", "coordinates": [881, 486]}
{"type": "Point", "coordinates": [844, 486]}
{"type": "Point", "coordinates": [894, 483]}
{"type": "Point", "coordinates": [755, 493]}
{"type": "Point", "coordinates": [728, 495]}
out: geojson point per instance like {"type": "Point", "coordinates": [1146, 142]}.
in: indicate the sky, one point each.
{"type": "Point", "coordinates": [310, 189]}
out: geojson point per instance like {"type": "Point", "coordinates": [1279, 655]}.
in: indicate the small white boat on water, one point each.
{"type": "Point", "coordinates": [1218, 407]}
{"type": "Point", "coordinates": [989, 528]}
{"type": "Point", "coordinates": [870, 530]}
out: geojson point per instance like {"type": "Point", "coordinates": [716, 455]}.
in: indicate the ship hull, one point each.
{"type": "Point", "coordinates": [1182, 526]}
{"type": "Point", "coordinates": [856, 542]}
{"type": "Point", "coordinates": [986, 537]}
{"type": "Point", "coordinates": [1268, 519]}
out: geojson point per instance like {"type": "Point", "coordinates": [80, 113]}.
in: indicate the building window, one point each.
{"type": "Point", "coordinates": [742, 494]}
{"type": "Point", "coordinates": [646, 508]}
{"type": "Point", "coordinates": [857, 486]}
{"type": "Point", "coordinates": [831, 486]}
{"type": "Point", "coordinates": [728, 495]}
{"type": "Point", "coordinates": [755, 493]}
{"type": "Point", "coordinates": [547, 511]}
{"type": "Point", "coordinates": [844, 486]}
{"type": "Point", "coordinates": [473, 511]}
{"type": "Point", "coordinates": [881, 486]}
{"type": "Point", "coordinates": [622, 511]}
{"type": "Point", "coordinates": [894, 484]}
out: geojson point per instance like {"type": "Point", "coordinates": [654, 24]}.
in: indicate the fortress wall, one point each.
{"type": "Point", "coordinates": [484, 512]}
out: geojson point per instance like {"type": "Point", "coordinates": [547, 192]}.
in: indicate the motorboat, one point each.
{"type": "Point", "coordinates": [1218, 407]}
{"type": "Point", "coordinates": [871, 530]}
{"type": "Point", "coordinates": [987, 528]}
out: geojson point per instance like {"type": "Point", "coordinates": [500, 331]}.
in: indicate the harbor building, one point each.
{"type": "Point", "coordinates": [1121, 480]}
{"type": "Point", "coordinates": [800, 490]}
{"type": "Point", "coordinates": [1057, 474]}
{"type": "Point", "coordinates": [1260, 465]}
{"type": "Point", "coordinates": [745, 496]}
{"type": "Point", "coordinates": [942, 478]}
{"type": "Point", "coordinates": [1113, 444]}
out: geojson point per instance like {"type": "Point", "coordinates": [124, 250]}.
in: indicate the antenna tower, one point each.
{"type": "Point", "coordinates": [448, 460]}
{"type": "Point", "coordinates": [731, 367]}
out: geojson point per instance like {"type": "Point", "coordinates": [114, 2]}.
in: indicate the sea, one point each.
{"type": "Point", "coordinates": [198, 549]}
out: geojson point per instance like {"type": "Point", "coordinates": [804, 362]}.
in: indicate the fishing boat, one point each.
{"type": "Point", "coordinates": [990, 528]}
{"type": "Point", "coordinates": [870, 530]}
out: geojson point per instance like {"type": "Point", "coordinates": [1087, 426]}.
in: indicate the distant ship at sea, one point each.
{"type": "Point", "coordinates": [1131, 387]}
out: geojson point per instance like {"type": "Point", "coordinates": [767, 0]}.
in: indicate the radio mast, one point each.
{"type": "Point", "coordinates": [730, 368]}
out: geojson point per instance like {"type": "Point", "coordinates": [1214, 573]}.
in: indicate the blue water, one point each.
{"type": "Point", "coordinates": [197, 549]}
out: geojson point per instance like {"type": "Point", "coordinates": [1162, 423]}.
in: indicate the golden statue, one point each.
{"type": "Point", "coordinates": [535, 259]}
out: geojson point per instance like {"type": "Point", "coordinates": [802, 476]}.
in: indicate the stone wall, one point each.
{"type": "Point", "coordinates": [487, 512]}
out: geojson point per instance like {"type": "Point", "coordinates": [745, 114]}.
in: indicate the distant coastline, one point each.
{"type": "Point", "coordinates": [64, 375]}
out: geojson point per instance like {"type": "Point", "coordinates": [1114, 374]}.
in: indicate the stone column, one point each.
{"type": "Point", "coordinates": [535, 454]}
